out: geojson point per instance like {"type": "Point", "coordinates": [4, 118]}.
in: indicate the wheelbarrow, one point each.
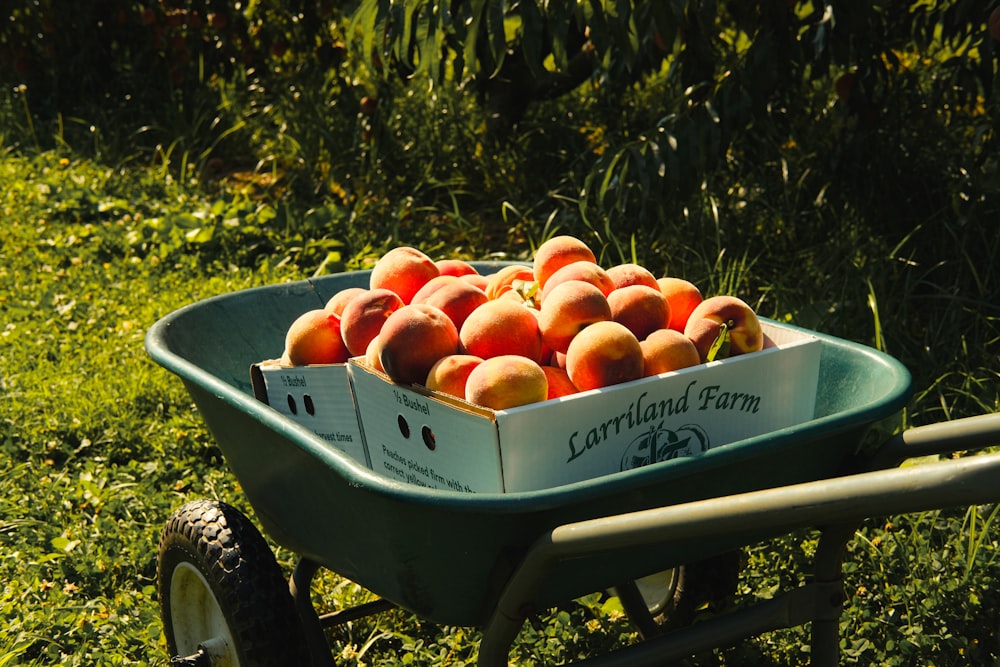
{"type": "Point", "coordinates": [493, 560]}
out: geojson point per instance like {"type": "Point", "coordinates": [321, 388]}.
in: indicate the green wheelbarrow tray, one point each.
{"type": "Point", "coordinates": [448, 556]}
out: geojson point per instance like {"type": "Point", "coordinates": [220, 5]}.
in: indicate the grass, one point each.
{"type": "Point", "coordinates": [100, 445]}
{"type": "Point", "coordinates": [96, 442]}
{"type": "Point", "coordinates": [885, 237]}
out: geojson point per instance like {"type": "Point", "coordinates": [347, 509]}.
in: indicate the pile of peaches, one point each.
{"type": "Point", "coordinates": [526, 333]}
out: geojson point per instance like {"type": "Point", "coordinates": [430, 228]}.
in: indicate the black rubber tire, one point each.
{"type": "Point", "coordinates": [702, 586]}
{"type": "Point", "coordinates": [708, 585]}
{"type": "Point", "coordinates": [218, 577]}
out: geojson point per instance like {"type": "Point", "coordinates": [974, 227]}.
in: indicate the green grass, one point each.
{"type": "Point", "coordinates": [96, 441]}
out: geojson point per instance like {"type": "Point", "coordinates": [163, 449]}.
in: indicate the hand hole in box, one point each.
{"type": "Point", "coordinates": [291, 405]}
{"type": "Point", "coordinates": [428, 436]}
{"type": "Point", "coordinates": [404, 427]}
{"type": "Point", "coordinates": [307, 400]}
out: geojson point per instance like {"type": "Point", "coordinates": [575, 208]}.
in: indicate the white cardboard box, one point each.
{"type": "Point", "coordinates": [317, 397]}
{"type": "Point", "coordinates": [424, 438]}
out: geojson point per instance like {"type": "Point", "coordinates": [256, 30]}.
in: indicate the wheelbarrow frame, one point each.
{"type": "Point", "coordinates": [584, 524]}
{"type": "Point", "coordinates": [835, 507]}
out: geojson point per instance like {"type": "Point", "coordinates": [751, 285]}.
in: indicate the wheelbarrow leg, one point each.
{"type": "Point", "coordinates": [636, 610]}
{"type": "Point", "coordinates": [828, 567]}
{"type": "Point", "coordinates": [299, 585]}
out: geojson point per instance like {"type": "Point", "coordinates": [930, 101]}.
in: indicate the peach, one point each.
{"type": "Point", "coordinates": [413, 339]}
{"type": "Point", "coordinates": [667, 350]}
{"type": "Point", "coordinates": [556, 253]}
{"type": "Point", "coordinates": [683, 296]}
{"type": "Point", "coordinates": [623, 275]}
{"type": "Point", "coordinates": [559, 382]}
{"type": "Point", "coordinates": [724, 326]}
{"type": "Point", "coordinates": [568, 309]}
{"type": "Point", "coordinates": [511, 277]}
{"type": "Point", "coordinates": [364, 315]}
{"type": "Point", "coordinates": [371, 355]}
{"type": "Point", "coordinates": [603, 354]}
{"type": "Point", "coordinates": [455, 267]}
{"type": "Point", "coordinates": [476, 279]}
{"type": "Point", "coordinates": [506, 381]}
{"type": "Point", "coordinates": [546, 356]}
{"type": "Point", "coordinates": [314, 338]}
{"type": "Point", "coordinates": [641, 308]}
{"type": "Point", "coordinates": [431, 286]}
{"type": "Point", "coordinates": [336, 303]}
{"type": "Point", "coordinates": [588, 272]}
{"type": "Point", "coordinates": [450, 374]}
{"type": "Point", "coordinates": [501, 327]}
{"type": "Point", "coordinates": [404, 270]}
{"type": "Point", "coordinates": [457, 298]}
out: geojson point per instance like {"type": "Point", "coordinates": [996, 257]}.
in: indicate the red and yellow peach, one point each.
{"type": "Point", "coordinates": [602, 355]}
{"type": "Point", "coordinates": [413, 339]}
{"type": "Point", "coordinates": [506, 381]}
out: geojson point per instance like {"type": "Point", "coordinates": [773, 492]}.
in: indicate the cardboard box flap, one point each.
{"type": "Point", "coordinates": [455, 402]}
{"type": "Point", "coordinates": [317, 397]}
{"type": "Point", "coordinates": [415, 438]}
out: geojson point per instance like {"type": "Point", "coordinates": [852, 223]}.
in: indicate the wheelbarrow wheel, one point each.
{"type": "Point", "coordinates": [223, 598]}
{"type": "Point", "coordinates": [674, 598]}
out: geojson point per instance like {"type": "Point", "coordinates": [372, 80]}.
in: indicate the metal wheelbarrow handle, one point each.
{"type": "Point", "coordinates": [839, 501]}
{"type": "Point", "coordinates": [969, 433]}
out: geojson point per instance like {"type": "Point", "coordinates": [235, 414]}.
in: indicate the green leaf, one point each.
{"type": "Point", "coordinates": [560, 16]}
{"type": "Point", "coordinates": [526, 288]}
{"type": "Point", "coordinates": [64, 544]}
{"type": "Point", "coordinates": [8, 657]}
{"type": "Point", "coordinates": [496, 32]}
{"type": "Point", "coordinates": [532, 35]}
{"type": "Point", "coordinates": [474, 22]}
{"type": "Point", "coordinates": [199, 234]}
{"type": "Point", "coordinates": [720, 346]}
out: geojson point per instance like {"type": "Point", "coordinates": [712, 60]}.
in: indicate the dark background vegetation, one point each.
{"type": "Point", "coordinates": [836, 164]}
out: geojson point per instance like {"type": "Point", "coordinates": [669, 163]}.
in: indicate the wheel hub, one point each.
{"type": "Point", "coordinates": [200, 628]}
